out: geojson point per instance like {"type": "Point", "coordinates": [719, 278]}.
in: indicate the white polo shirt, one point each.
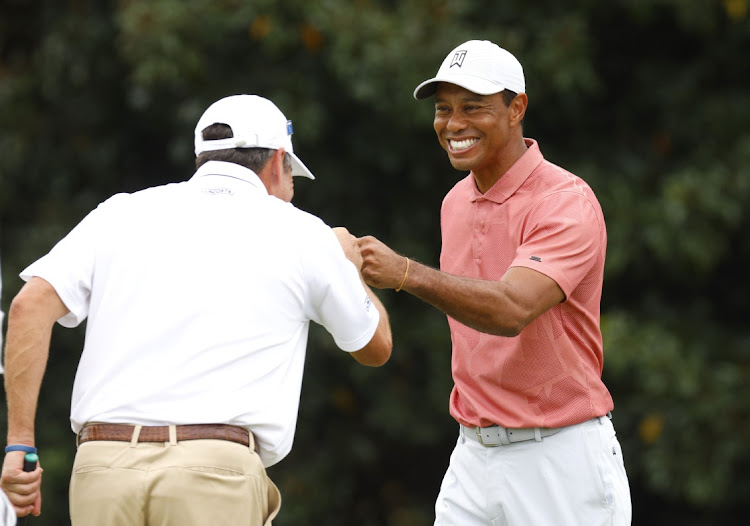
{"type": "Point", "coordinates": [199, 297]}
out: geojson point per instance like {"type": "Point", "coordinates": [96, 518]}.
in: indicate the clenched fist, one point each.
{"type": "Point", "coordinates": [382, 268]}
{"type": "Point", "coordinates": [350, 246]}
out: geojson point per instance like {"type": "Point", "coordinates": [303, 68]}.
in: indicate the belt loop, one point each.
{"type": "Point", "coordinates": [172, 435]}
{"type": "Point", "coordinates": [136, 435]}
{"type": "Point", "coordinates": [504, 435]}
{"type": "Point", "coordinates": [251, 441]}
{"type": "Point", "coordinates": [537, 434]}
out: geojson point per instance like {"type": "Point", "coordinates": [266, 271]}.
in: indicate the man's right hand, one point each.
{"type": "Point", "coordinates": [22, 488]}
{"type": "Point", "coordinates": [350, 246]}
{"type": "Point", "coordinates": [382, 268]}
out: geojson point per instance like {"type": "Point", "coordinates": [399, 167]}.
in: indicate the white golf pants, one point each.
{"type": "Point", "coordinates": [573, 478]}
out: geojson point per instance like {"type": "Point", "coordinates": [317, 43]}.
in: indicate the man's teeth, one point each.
{"type": "Point", "coordinates": [462, 145]}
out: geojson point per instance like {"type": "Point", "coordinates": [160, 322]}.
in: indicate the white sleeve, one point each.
{"type": "Point", "coordinates": [69, 268]}
{"type": "Point", "coordinates": [339, 300]}
{"type": "Point", "coordinates": [7, 513]}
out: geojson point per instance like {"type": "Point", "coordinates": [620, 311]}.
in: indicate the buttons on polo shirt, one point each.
{"type": "Point", "coordinates": [479, 226]}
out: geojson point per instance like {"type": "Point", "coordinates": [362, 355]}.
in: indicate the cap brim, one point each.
{"type": "Point", "coordinates": [299, 168]}
{"type": "Point", "coordinates": [469, 82]}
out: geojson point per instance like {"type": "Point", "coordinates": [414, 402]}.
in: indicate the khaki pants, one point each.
{"type": "Point", "coordinates": [188, 483]}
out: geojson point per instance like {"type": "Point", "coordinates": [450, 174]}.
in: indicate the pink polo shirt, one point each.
{"type": "Point", "coordinates": [545, 218]}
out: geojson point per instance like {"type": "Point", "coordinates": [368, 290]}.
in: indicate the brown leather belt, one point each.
{"type": "Point", "coordinates": [124, 433]}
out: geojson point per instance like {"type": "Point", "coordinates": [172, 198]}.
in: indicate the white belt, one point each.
{"type": "Point", "coordinates": [494, 436]}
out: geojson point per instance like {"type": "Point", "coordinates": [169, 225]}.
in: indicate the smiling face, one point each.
{"type": "Point", "coordinates": [480, 132]}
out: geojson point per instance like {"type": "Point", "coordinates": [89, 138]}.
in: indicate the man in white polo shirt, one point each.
{"type": "Point", "coordinates": [199, 297]}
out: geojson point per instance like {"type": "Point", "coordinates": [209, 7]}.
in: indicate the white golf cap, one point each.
{"type": "Point", "coordinates": [256, 123]}
{"type": "Point", "coordinates": [478, 66]}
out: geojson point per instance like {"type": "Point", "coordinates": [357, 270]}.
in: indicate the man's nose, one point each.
{"type": "Point", "coordinates": [456, 122]}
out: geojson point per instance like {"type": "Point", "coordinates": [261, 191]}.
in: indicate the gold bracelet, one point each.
{"type": "Point", "coordinates": [406, 273]}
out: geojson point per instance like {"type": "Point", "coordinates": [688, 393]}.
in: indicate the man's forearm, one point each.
{"type": "Point", "coordinates": [25, 363]}
{"type": "Point", "coordinates": [378, 350]}
{"type": "Point", "coordinates": [30, 320]}
{"type": "Point", "coordinates": [503, 307]}
{"type": "Point", "coordinates": [480, 304]}
{"type": "Point", "coordinates": [26, 354]}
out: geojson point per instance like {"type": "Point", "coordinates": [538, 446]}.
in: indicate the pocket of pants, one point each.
{"type": "Point", "coordinates": [89, 469]}
{"type": "Point", "coordinates": [88, 459]}
{"type": "Point", "coordinates": [599, 445]}
{"type": "Point", "coordinates": [222, 472]}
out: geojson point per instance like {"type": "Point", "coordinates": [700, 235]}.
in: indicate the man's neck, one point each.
{"type": "Point", "coordinates": [486, 179]}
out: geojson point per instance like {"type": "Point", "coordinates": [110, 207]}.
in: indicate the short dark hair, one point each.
{"type": "Point", "coordinates": [508, 96]}
{"type": "Point", "coordinates": [253, 158]}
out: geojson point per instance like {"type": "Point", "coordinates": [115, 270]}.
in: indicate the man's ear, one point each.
{"type": "Point", "coordinates": [273, 172]}
{"type": "Point", "coordinates": [278, 164]}
{"type": "Point", "coordinates": [518, 108]}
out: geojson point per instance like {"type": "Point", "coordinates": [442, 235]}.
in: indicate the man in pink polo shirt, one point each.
{"type": "Point", "coordinates": [520, 279]}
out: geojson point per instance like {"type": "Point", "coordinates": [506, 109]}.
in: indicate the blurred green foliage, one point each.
{"type": "Point", "coordinates": [646, 100]}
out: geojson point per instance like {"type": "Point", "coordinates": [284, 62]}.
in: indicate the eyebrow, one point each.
{"type": "Point", "coordinates": [469, 98]}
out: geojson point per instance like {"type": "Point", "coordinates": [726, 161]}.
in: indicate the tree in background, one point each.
{"type": "Point", "coordinates": [647, 101]}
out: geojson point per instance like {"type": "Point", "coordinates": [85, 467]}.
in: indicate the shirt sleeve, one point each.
{"type": "Point", "coordinates": [69, 268]}
{"type": "Point", "coordinates": [563, 239]}
{"type": "Point", "coordinates": [339, 301]}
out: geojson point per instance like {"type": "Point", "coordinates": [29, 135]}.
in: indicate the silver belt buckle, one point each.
{"type": "Point", "coordinates": [500, 434]}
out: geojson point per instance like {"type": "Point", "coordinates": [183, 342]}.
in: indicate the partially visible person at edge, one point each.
{"type": "Point", "coordinates": [520, 279]}
{"type": "Point", "coordinates": [199, 297]}
{"type": "Point", "coordinates": [2, 317]}
{"type": "Point", "coordinates": [7, 514]}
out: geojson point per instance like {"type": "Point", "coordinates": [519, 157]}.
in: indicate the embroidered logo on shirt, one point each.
{"type": "Point", "coordinates": [219, 191]}
{"type": "Point", "coordinates": [536, 258]}
{"type": "Point", "coordinates": [368, 303]}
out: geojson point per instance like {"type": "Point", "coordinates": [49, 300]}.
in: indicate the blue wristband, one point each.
{"type": "Point", "coordinates": [20, 447]}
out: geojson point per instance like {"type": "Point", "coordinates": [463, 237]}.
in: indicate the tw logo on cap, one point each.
{"type": "Point", "coordinates": [458, 59]}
